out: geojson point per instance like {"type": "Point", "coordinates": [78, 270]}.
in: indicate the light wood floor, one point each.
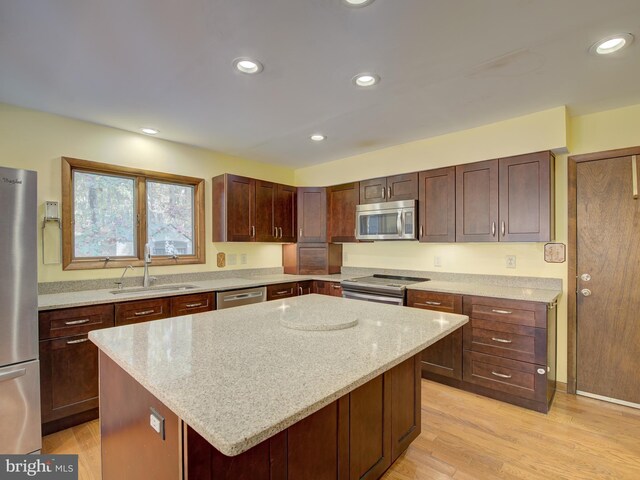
{"type": "Point", "coordinates": [465, 437]}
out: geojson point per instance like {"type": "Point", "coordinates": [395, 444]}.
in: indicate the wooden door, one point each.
{"type": "Point", "coordinates": [373, 190]}
{"type": "Point", "coordinates": [342, 212]}
{"type": "Point", "coordinates": [285, 213]}
{"type": "Point", "coordinates": [526, 198]}
{"type": "Point", "coordinates": [312, 215]}
{"type": "Point", "coordinates": [239, 199]}
{"type": "Point", "coordinates": [68, 377]}
{"type": "Point", "coordinates": [608, 250]}
{"type": "Point", "coordinates": [477, 202]}
{"type": "Point", "coordinates": [437, 207]}
{"type": "Point", "coordinates": [402, 187]}
{"type": "Point", "coordinates": [265, 211]}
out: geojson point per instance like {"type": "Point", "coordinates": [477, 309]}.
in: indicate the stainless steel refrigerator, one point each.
{"type": "Point", "coordinates": [19, 367]}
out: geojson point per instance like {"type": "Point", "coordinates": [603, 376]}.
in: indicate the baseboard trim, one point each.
{"type": "Point", "coordinates": [609, 399]}
{"type": "Point", "coordinates": [561, 387]}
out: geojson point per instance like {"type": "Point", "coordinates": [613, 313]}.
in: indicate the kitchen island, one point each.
{"type": "Point", "coordinates": [307, 387]}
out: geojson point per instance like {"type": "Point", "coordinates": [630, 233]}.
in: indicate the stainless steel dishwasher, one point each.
{"type": "Point", "coordinates": [236, 298]}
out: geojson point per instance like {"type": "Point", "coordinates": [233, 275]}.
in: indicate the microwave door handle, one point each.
{"type": "Point", "coordinates": [400, 223]}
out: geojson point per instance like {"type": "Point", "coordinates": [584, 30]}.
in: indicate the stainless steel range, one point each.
{"type": "Point", "coordinates": [378, 288]}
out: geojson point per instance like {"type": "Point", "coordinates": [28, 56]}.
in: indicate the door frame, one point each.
{"type": "Point", "coordinates": [572, 254]}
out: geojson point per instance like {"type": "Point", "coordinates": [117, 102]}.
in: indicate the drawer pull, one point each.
{"type": "Point", "coordinates": [337, 287]}
{"type": "Point", "coordinates": [501, 340]}
{"type": "Point", "coordinates": [80, 340]}
{"type": "Point", "coordinates": [503, 312]}
{"type": "Point", "coordinates": [193, 305]}
{"type": "Point", "coordinates": [77, 322]}
{"type": "Point", "coordinates": [282, 292]}
{"type": "Point", "coordinates": [501, 375]}
{"type": "Point", "coordinates": [432, 303]}
{"type": "Point", "coordinates": [144, 312]}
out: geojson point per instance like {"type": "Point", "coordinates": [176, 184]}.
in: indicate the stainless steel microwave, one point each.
{"type": "Point", "coordinates": [386, 221]}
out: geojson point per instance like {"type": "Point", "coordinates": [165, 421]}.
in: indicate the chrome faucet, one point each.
{"type": "Point", "coordinates": [119, 283]}
{"type": "Point", "coordinates": [146, 280]}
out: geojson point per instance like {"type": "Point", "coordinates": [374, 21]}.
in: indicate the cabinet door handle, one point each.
{"type": "Point", "coordinates": [280, 231]}
{"type": "Point", "coordinates": [300, 232]}
{"type": "Point", "coordinates": [275, 232]}
{"type": "Point", "coordinates": [493, 229]}
{"type": "Point", "coordinates": [77, 322]}
{"type": "Point", "coordinates": [501, 340]}
{"type": "Point", "coordinates": [389, 193]}
{"type": "Point", "coordinates": [503, 312]}
{"type": "Point", "coordinates": [253, 231]}
{"type": "Point", "coordinates": [193, 305]}
{"type": "Point", "coordinates": [384, 193]}
{"type": "Point", "coordinates": [80, 340]}
{"type": "Point", "coordinates": [501, 375]}
{"type": "Point", "coordinates": [299, 290]}
{"type": "Point", "coordinates": [144, 312]}
{"type": "Point", "coordinates": [421, 231]}
{"type": "Point", "coordinates": [503, 228]}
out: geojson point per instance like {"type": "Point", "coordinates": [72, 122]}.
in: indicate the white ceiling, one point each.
{"type": "Point", "coordinates": [446, 65]}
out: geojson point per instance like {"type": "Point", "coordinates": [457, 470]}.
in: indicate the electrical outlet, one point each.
{"type": "Point", "coordinates": [221, 260]}
{"type": "Point", "coordinates": [232, 259]}
{"type": "Point", "coordinates": [243, 258]}
{"type": "Point", "coordinates": [156, 421]}
{"type": "Point", "coordinates": [437, 261]}
{"type": "Point", "coordinates": [510, 261]}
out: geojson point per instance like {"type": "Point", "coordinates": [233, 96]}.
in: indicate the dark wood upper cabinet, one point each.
{"type": "Point", "coordinates": [234, 216]}
{"type": "Point", "coordinates": [437, 205]}
{"type": "Point", "coordinates": [342, 212]}
{"type": "Point", "coordinates": [285, 212]}
{"type": "Point", "coordinates": [388, 189]}
{"type": "Point", "coordinates": [477, 202]}
{"type": "Point", "coordinates": [527, 198]}
{"type": "Point", "coordinates": [312, 214]}
{"type": "Point", "coordinates": [250, 210]}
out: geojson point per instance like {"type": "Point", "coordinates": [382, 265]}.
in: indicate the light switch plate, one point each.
{"type": "Point", "coordinates": [243, 258]}
{"type": "Point", "coordinates": [437, 261]}
{"type": "Point", "coordinates": [232, 259]}
{"type": "Point", "coordinates": [510, 261]}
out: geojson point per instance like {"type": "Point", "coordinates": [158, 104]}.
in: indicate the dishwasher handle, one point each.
{"type": "Point", "coordinates": [242, 296]}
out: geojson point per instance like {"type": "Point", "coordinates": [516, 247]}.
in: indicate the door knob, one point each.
{"type": "Point", "coordinates": [586, 292]}
{"type": "Point", "coordinates": [585, 277]}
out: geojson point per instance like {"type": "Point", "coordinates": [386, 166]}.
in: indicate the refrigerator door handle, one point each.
{"type": "Point", "coordinates": [11, 375]}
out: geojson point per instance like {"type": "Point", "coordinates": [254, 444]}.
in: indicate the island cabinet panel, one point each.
{"type": "Point", "coordinates": [477, 202]}
{"type": "Point", "coordinates": [356, 437]}
{"type": "Point", "coordinates": [370, 429]}
{"type": "Point", "coordinates": [131, 449]}
{"type": "Point", "coordinates": [190, 304]}
{"type": "Point", "coordinates": [322, 287]}
{"type": "Point", "coordinates": [342, 212]}
{"type": "Point", "coordinates": [142, 311]}
{"type": "Point", "coordinates": [437, 205]}
{"type": "Point", "coordinates": [443, 358]}
{"type": "Point", "coordinates": [312, 214]}
{"type": "Point", "coordinates": [69, 365]}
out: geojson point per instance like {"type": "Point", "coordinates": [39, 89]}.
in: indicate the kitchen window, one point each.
{"type": "Point", "coordinates": [111, 212]}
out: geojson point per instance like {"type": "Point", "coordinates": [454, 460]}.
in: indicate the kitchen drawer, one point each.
{"type": "Point", "coordinates": [282, 290]}
{"type": "Point", "coordinates": [512, 377]}
{"type": "Point", "coordinates": [441, 302]}
{"type": "Point", "coordinates": [74, 321]}
{"type": "Point", "coordinates": [530, 314]}
{"type": "Point", "coordinates": [506, 340]}
{"type": "Point", "coordinates": [188, 304]}
{"type": "Point", "coordinates": [142, 311]}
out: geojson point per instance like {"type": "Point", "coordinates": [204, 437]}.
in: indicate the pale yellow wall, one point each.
{"type": "Point", "coordinates": [608, 130]}
{"type": "Point", "coordinates": [36, 141]}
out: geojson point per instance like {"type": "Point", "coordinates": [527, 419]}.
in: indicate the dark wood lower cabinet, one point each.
{"type": "Point", "coordinates": [356, 437]}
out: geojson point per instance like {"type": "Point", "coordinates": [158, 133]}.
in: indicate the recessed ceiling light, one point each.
{"type": "Point", "coordinates": [149, 131]}
{"type": "Point", "coordinates": [612, 44]}
{"type": "Point", "coordinates": [358, 3]}
{"type": "Point", "coordinates": [247, 65]}
{"type": "Point", "coordinates": [366, 80]}
{"type": "Point", "coordinates": [318, 137]}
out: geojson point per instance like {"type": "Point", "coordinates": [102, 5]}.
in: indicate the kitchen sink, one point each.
{"type": "Point", "coordinates": [150, 290]}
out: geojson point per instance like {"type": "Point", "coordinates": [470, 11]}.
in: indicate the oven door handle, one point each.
{"type": "Point", "coordinates": [373, 298]}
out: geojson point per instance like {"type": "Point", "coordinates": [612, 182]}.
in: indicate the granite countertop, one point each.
{"type": "Point", "coordinates": [238, 376]}
{"type": "Point", "coordinates": [96, 297]}
{"type": "Point", "coordinates": [488, 290]}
